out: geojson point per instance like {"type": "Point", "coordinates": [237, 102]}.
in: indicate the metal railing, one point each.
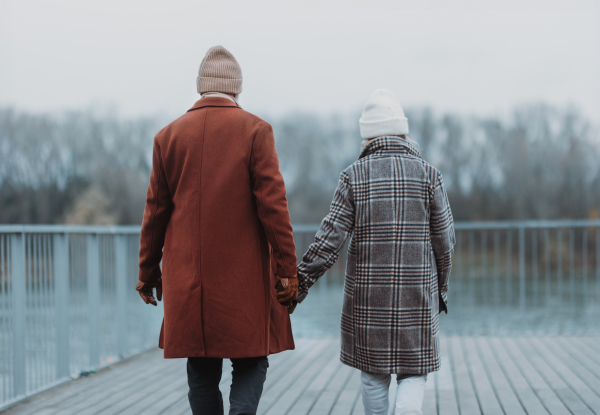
{"type": "Point", "coordinates": [508, 278]}
{"type": "Point", "coordinates": [67, 303]}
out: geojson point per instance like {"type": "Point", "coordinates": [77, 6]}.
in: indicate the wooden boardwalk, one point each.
{"type": "Point", "coordinates": [480, 375]}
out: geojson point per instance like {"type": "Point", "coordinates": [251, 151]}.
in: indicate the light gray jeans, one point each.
{"type": "Point", "coordinates": [409, 396]}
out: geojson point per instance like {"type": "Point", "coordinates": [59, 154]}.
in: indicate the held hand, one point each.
{"type": "Point", "coordinates": [291, 306]}
{"type": "Point", "coordinates": [146, 291]}
{"type": "Point", "coordinates": [287, 292]}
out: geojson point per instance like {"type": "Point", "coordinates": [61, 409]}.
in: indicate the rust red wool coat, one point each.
{"type": "Point", "coordinates": [216, 203]}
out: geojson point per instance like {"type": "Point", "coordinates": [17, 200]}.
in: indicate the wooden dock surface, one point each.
{"type": "Point", "coordinates": [480, 375]}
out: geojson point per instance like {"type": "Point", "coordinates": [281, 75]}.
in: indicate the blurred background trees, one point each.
{"type": "Point", "coordinates": [90, 168]}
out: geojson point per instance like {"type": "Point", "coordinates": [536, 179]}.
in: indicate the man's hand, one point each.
{"type": "Point", "coordinates": [291, 306]}
{"type": "Point", "coordinates": [287, 292]}
{"type": "Point", "coordinates": [146, 291]}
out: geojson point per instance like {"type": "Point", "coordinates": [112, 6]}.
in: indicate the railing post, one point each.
{"type": "Point", "coordinates": [484, 267]}
{"type": "Point", "coordinates": [559, 266]}
{"type": "Point", "coordinates": [60, 246]}
{"type": "Point", "coordinates": [471, 271]}
{"type": "Point", "coordinates": [547, 270]}
{"type": "Point", "coordinates": [534, 266]}
{"type": "Point", "coordinates": [509, 278]}
{"type": "Point", "coordinates": [457, 292]}
{"type": "Point", "coordinates": [121, 277]}
{"type": "Point", "coordinates": [19, 298]}
{"type": "Point", "coordinates": [522, 270]}
{"type": "Point", "coordinates": [584, 271]}
{"type": "Point", "coordinates": [598, 264]}
{"type": "Point", "coordinates": [572, 276]}
{"type": "Point", "coordinates": [93, 286]}
{"type": "Point", "coordinates": [496, 280]}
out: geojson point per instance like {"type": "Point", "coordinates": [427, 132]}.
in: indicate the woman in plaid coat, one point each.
{"type": "Point", "coordinates": [394, 205]}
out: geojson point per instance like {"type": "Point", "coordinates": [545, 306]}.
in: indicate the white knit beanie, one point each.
{"type": "Point", "coordinates": [219, 72]}
{"type": "Point", "coordinates": [382, 115]}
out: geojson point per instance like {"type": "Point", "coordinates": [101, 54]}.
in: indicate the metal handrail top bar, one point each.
{"type": "Point", "coordinates": [135, 229]}
{"type": "Point", "coordinates": [531, 224]}
{"type": "Point", "coordinates": [512, 224]}
{"type": "Point", "coordinates": [71, 229]}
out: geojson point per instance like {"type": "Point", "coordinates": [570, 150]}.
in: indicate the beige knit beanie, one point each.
{"type": "Point", "coordinates": [219, 72]}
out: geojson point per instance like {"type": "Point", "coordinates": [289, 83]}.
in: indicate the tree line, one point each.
{"type": "Point", "coordinates": [83, 167]}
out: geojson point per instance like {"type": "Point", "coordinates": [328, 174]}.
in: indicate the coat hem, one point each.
{"type": "Point", "coordinates": [393, 370]}
{"type": "Point", "coordinates": [167, 355]}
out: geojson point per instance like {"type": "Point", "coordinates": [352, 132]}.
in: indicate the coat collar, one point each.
{"type": "Point", "coordinates": [213, 102]}
{"type": "Point", "coordinates": [390, 144]}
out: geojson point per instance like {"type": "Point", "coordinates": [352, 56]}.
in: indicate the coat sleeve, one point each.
{"type": "Point", "coordinates": [156, 217]}
{"type": "Point", "coordinates": [271, 202]}
{"type": "Point", "coordinates": [442, 237]}
{"type": "Point", "coordinates": [330, 239]}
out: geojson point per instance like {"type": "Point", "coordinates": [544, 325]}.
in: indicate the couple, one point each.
{"type": "Point", "coordinates": [216, 203]}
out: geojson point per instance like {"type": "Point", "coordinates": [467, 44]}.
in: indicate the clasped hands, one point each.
{"type": "Point", "coordinates": [287, 292]}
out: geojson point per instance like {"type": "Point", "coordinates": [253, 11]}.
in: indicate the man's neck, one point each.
{"type": "Point", "coordinates": [220, 94]}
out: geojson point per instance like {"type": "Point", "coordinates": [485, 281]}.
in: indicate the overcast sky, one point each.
{"type": "Point", "coordinates": [324, 56]}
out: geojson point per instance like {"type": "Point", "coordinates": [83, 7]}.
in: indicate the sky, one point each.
{"type": "Point", "coordinates": [324, 56]}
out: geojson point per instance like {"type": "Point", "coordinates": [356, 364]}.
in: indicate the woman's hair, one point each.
{"type": "Point", "coordinates": [411, 141]}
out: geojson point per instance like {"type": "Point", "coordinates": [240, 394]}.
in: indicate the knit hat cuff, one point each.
{"type": "Point", "coordinates": [390, 126]}
{"type": "Point", "coordinates": [225, 85]}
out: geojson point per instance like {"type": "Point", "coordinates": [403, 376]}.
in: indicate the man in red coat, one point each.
{"type": "Point", "coordinates": [217, 216]}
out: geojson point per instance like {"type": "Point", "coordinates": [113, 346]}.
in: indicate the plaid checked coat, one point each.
{"type": "Point", "coordinates": [395, 206]}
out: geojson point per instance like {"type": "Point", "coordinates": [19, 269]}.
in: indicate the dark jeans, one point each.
{"type": "Point", "coordinates": [247, 378]}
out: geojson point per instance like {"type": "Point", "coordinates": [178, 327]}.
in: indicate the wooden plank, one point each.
{"type": "Point", "coordinates": [587, 348]}
{"type": "Point", "coordinates": [430, 401]}
{"type": "Point", "coordinates": [180, 408]}
{"type": "Point", "coordinates": [131, 397]}
{"type": "Point", "coordinates": [72, 392]}
{"type": "Point", "coordinates": [539, 377]}
{"type": "Point", "coordinates": [177, 401]}
{"type": "Point", "coordinates": [467, 400]}
{"type": "Point", "coordinates": [504, 391]}
{"type": "Point", "coordinates": [282, 396]}
{"type": "Point", "coordinates": [166, 403]}
{"type": "Point", "coordinates": [307, 399]}
{"type": "Point", "coordinates": [85, 391]}
{"type": "Point", "coordinates": [582, 358]}
{"type": "Point", "coordinates": [582, 371]}
{"type": "Point", "coordinates": [566, 394]}
{"type": "Point", "coordinates": [324, 405]}
{"type": "Point", "coordinates": [527, 396]}
{"type": "Point", "coordinates": [567, 374]}
{"type": "Point", "coordinates": [347, 399]}
{"type": "Point", "coordinates": [544, 392]}
{"type": "Point", "coordinates": [275, 372]}
{"type": "Point", "coordinates": [359, 408]}
{"type": "Point", "coordinates": [168, 395]}
{"type": "Point", "coordinates": [486, 394]}
{"type": "Point", "coordinates": [292, 362]}
{"type": "Point", "coordinates": [100, 397]}
{"type": "Point", "coordinates": [446, 394]}
{"type": "Point", "coordinates": [592, 345]}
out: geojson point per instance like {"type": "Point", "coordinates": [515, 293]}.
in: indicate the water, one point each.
{"type": "Point", "coordinates": [476, 307]}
